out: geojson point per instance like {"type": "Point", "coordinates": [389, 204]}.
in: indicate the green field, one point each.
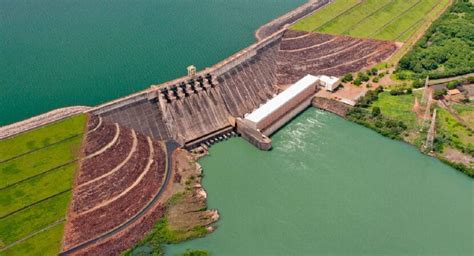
{"type": "Point", "coordinates": [36, 176]}
{"type": "Point", "coordinates": [394, 20]}
{"type": "Point", "coordinates": [397, 108]}
{"type": "Point", "coordinates": [41, 137]}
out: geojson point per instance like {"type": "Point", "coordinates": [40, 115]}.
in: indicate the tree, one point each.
{"type": "Point", "coordinates": [358, 81]}
{"type": "Point", "coordinates": [418, 83]}
{"type": "Point", "coordinates": [439, 93]}
{"type": "Point", "coordinates": [347, 78]}
{"type": "Point", "coordinates": [453, 84]}
{"type": "Point", "coordinates": [374, 71]}
{"type": "Point", "coordinates": [376, 111]}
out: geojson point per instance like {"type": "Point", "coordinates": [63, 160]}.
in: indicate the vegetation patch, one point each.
{"type": "Point", "coordinates": [453, 133]}
{"type": "Point", "coordinates": [447, 49]}
{"type": "Point", "coordinates": [47, 242]}
{"type": "Point", "coordinates": [395, 20]}
{"type": "Point", "coordinates": [38, 188]}
{"type": "Point", "coordinates": [20, 224]}
{"type": "Point", "coordinates": [36, 175]}
{"type": "Point", "coordinates": [39, 162]}
{"type": "Point", "coordinates": [163, 233]}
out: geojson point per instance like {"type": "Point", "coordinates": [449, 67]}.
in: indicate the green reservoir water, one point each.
{"type": "Point", "coordinates": [331, 187]}
{"type": "Point", "coordinates": [56, 53]}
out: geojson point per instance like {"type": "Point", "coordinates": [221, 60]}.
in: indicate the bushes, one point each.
{"type": "Point", "coordinates": [347, 78]}
{"type": "Point", "coordinates": [375, 119]}
{"type": "Point", "coordinates": [400, 91]}
{"type": "Point", "coordinates": [418, 83]}
{"type": "Point", "coordinates": [370, 97]}
{"type": "Point", "coordinates": [195, 253]}
{"type": "Point", "coordinates": [453, 84]}
{"type": "Point", "coordinates": [439, 93]}
{"type": "Point", "coordinates": [363, 77]}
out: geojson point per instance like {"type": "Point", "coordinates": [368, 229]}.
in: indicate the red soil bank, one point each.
{"type": "Point", "coordinates": [93, 122]}
{"type": "Point", "coordinates": [99, 138]}
{"type": "Point", "coordinates": [106, 203]}
{"type": "Point", "coordinates": [110, 158]}
{"type": "Point", "coordinates": [301, 53]}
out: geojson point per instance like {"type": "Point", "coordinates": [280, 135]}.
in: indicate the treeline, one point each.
{"type": "Point", "coordinates": [447, 49]}
{"type": "Point", "coordinates": [374, 119]}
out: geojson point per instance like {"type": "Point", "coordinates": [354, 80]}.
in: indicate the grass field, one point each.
{"type": "Point", "coordinates": [459, 135]}
{"type": "Point", "coordinates": [394, 20]}
{"type": "Point", "coordinates": [36, 175]}
{"type": "Point", "coordinates": [466, 111]}
{"type": "Point", "coordinates": [41, 137]}
{"type": "Point", "coordinates": [397, 108]}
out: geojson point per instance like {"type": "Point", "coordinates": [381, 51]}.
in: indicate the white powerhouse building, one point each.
{"type": "Point", "coordinates": [286, 105]}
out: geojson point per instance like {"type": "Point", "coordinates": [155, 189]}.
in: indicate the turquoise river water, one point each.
{"type": "Point", "coordinates": [329, 187]}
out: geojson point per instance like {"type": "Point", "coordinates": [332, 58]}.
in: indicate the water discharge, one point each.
{"type": "Point", "coordinates": [330, 187]}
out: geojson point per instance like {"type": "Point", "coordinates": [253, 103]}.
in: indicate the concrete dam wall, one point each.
{"type": "Point", "coordinates": [194, 109]}
{"type": "Point", "coordinates": [199, 108]}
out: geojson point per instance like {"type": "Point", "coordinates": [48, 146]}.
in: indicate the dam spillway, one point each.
{"type": "Point", "coordinates": [195, 109]}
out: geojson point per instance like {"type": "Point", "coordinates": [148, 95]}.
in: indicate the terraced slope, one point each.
{"type": "Point", "coordinates": [36, 176]}
{"type": "Point", "coordinates": [304, 53]}
{"type": "Point", "coordinates": [120, 176]}
{"type": "Point", "coordinates": [393, 20]}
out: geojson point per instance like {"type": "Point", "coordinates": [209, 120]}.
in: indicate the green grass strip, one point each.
{"type": "Point", "coordinates": [25, 222]}
{"type": "Point", "coordinates": [42, 137]}
{"type": "Point", "coordinates": [405, 22]}
{"type": "Point", "coordinates": [326, 14]}
{"type": "Point", "coordinates": [381, 18]}
{"type": "Point", "coordinates": [432, 15]}
{"type": "Point", "coordinates": [354, 16]}
{"type": "Point", "coordinates": [38, 188]}
{"type": "Point", "coordinates": [43, 244]}
{"type": "Point", "coordinates": [38, 162]}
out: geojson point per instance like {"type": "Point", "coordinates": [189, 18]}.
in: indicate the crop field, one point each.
{"type": "Point", "coordinates": [392, 20]}
{"type": "Point", "coordinates": [36, 176]}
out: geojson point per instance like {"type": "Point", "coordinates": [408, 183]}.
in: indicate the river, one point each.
{"type": "Point", "coordinates": [331, 187]}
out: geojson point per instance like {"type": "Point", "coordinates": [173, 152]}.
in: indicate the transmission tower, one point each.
{"type": "Point", "coordinates": [425, 91]}
{"type": "Point", "coordinates": [431, 133]}
{"type": "Point", "coordinates": [426, 116]}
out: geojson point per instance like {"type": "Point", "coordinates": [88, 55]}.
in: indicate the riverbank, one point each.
{"type": "Point", "coordinates": [400, 117]}
{"type": "Point", "coordinates": [186, 215]}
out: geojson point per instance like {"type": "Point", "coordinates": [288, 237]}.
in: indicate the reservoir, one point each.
{"type": "Point", "coordinates": [331, 187]}
{"type": "Point", "coordinates": [57, 53]}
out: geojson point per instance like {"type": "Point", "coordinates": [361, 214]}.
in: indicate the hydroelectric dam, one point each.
{"type": "Point", "coordinates": [208, 105]}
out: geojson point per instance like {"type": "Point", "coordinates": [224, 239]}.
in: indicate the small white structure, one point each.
{"type": "Point", "coordinates": [330, 83]}
{"type": "Point", "coordinates": [277, 111]}
{"type": "Point", "coordinates": [191, 71]}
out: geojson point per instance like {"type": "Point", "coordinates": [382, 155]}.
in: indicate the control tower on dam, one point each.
{"type": "Point", "coordinates": [257, 126]}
